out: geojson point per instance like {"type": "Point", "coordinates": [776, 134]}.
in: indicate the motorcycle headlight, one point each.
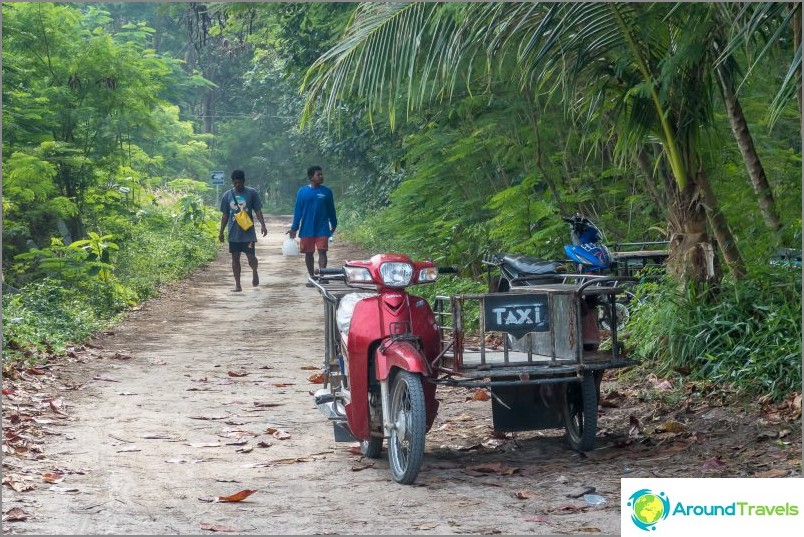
{"type": "Point", "coordinates": [357, 275]}
{"type": "Point", "coordinates": [428, 274]}
{"type": "Point", "coordinates": [396, 274]}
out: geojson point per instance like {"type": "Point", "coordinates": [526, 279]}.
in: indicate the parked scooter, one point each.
{"type": "Point", "coordinates": [381, 348]}
{"type": "Point", "coordinates": [588, 255]}
{"type": "Point", "coordinates": [587, 249]}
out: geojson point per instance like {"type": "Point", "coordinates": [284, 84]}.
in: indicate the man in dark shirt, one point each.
{"type": "Point", "coordinates": [241, 198]}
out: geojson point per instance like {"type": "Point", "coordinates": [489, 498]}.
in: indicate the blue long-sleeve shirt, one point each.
{"type": "Point", "coordinates": [314, 214]}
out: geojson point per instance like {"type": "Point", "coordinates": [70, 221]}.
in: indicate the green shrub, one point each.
{"type": "Point", "coordinates": [747, 334]}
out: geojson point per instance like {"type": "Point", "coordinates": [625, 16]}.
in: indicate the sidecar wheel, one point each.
{"type": "Point", "coordinates": [580, 413]}
{"type": "Point", "coordinates": [622, 312]}
{"type": "Point", "coordinates": [409, 420]}
{"type": "Point", "coordinates": [371, 448]}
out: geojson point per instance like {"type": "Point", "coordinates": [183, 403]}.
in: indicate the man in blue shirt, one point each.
{"type": "Point", "coordinates": [314, 219]}
{"type": "Point", "coordinates": [241, 198]}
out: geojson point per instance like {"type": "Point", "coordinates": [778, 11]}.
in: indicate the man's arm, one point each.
{"type": "Point", "coordinates": [333, 219]}
{"type": "Point", "coordinates": [294, 227]}
{"type": "Point", "coordinates": [262, 221]}
{"type": "Point", "coordinates": [224, 219]}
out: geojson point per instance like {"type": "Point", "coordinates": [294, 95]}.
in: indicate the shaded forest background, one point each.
{"type": "Point", "coordinates": [447, 131]}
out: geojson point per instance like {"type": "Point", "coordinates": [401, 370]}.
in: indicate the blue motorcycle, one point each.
{"type": "Point", "coordinates": [587, 252]}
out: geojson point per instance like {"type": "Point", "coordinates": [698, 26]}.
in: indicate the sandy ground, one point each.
{"type": "Point", "coordinates": [204, 392]}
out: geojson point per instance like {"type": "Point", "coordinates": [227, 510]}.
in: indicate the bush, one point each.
{"type": "Point", "coordinates": [69, 306]}
{"type": "Point", "coordinates": [747, 333]}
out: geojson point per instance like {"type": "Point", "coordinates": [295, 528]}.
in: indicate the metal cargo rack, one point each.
{"type": "Point", "coordinates": [478, 351]}
{"type": "Point", "coordinates": [628, 258]}
{"type": "Point", "coordinates": [332, 289]}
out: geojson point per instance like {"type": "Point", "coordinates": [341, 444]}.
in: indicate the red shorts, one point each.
{"type": "Point", "coordinates": [308, 245]}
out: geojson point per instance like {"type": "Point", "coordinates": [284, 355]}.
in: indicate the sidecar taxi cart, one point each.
{"type": "Point", "coordinates": [537, 349]}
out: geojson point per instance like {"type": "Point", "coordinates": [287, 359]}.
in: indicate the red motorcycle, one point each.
{"type": "Point", "coordinates": [535, 347]}
{"type": "Point", "coordinates": [381, 350]}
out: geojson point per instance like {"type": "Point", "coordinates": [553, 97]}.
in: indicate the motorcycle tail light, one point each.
{"type": "Point", "coordinates": [428, 274]}
{"type": "Point", "coordinates": [396, 274]}
{"type": "Point", "coordinates": [357, 274]}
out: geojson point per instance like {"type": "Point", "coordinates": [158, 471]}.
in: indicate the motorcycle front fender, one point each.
{"type": "Point", "coordinates": [401, 354]}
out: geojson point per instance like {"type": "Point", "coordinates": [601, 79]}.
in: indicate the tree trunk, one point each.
{"type": "Point", "coordinates": [797, 43]}
{"type": "Point", "coordinates": [534, 123]}
{"type": "Point", "coordinates": [208, 111]}
{"type": "Point", "coordinates": [720, 228]}
{"type": "Point", "coordinates": [691, 252]}
{"type": "Point", "coordinates": [756, 172]}
{"type": "Point", "coordinates": [643, 162]}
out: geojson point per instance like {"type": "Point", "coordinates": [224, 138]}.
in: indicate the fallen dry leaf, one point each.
{"type": "Point", "coordinates": [15, 514]}
{"type": "Point", "coordinates": [536, 519]}
{"type": "Point", "coordinates": [316, 378]}
{"type": "Point", "coordinates": [713, 464]}
{"type": "Point", "coordinates": [263, 444]}
{"type": "Point", "coordinates": [524, 494]}
{"type": "Point", "coordinates": [219, 527]}
{"type": "Point", "coordinates": [57, 406]}
{"type": "Point", "coordinates": [479, 395]}
{"type": "Point", "coordinates": [205, 444]}
{"type": "Point", "coordinates": [309, 367]}
{"type": "Point", "coordinates": [17, 483]}
{"type": "Point", "coordinates": [281, 435]}
{"type": "Point", "coordinates": [237, 373]}
{"type": "Point", "coordinates": [635, 427]}
{"type": "Point", "coordinates": [236, 497]}
{"type": "Point", "coordinates": [773, 472]}
{"type": "Point", "coordinates": [671, 427]}
{"type": "Point", "coordinates": [283, 384]}
{"type": "Point", "coordinates": [259, 404]}
{"type": "Point", "coordinates": [53, 477]}
{"type": "Point", "coordinates": [107, 379]}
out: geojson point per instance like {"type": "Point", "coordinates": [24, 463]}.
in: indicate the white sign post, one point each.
{"type": "Point", "coordinates": [216, 178]}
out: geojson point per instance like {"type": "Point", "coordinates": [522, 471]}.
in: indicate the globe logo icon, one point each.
{"type": "Point", "coordinates": [648, 508]}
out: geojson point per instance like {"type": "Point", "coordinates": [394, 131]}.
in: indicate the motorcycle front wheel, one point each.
{"type": "Point", "coordinates": [409, 426]}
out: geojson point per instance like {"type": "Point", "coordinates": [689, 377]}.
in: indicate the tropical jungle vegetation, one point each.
{"type": "Point", "coordinates": [450, 131]}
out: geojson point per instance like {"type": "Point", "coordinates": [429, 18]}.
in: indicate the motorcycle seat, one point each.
{"type": "Point", "coordinates": [524, 264]}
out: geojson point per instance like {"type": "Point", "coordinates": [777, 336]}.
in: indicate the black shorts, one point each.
{"type": "Point", "coordinates": [247, 248]}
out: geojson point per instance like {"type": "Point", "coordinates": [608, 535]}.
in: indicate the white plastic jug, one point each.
{"type": "Point", "coordinates": [290, 247]}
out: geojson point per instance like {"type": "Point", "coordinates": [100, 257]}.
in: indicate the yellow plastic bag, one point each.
{"type": "Point", "coordinates": [243, 220]}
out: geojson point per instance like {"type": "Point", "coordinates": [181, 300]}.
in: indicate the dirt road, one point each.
{"type": "Point", "coordinates": [204, 392]}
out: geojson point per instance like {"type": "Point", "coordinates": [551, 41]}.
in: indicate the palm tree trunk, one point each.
{"type": "Point", "coordinates": [643, 162]}
{"type": "Point", "coordinates": [797, 43]}
{"type": "Point", "coordinates": [720, 228]}
{"type": "Point", "coordinates": [691, 253]}
{"type": "Point", "coordinates": [756, 172]}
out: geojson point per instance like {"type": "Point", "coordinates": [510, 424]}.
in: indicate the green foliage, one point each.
{"type": "Point", "coordinates": [747, 334]}
{"type": "Point", "coordinates": [47, 315]}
